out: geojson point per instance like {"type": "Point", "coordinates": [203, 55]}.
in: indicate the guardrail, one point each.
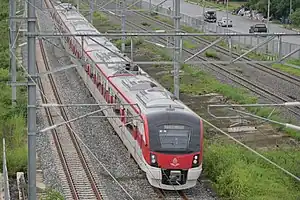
{"type": "Point", "coordinates": [245, 42]}
{"type": "Point", "coordinates": [5, 175]}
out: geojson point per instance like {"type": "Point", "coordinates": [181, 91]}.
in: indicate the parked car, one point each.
{"type": "Point", "coordinates": [210, 16]}
{"type": "Point", "coordinates": [258, 28]}
{"type": "Point", "coordinates": [224, 21]}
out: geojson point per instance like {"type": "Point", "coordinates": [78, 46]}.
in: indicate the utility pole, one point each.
{"type": "Point", "coordinates": [77, 5]}
{"type": "Point", "coordinates": [177, 48]}
{"type": "Point", "coordinates": [203, 8]}
{"type": "Point", "coordinates": [91, 11]}
{"type": "Point", "coordinates": [268, 15]}
{"type": "Point", "coordinates": [291, 8]}
{"type": "Point", "coordinates": [31, 110]}
{"type": "Point", "coordinates": [123, 24]}
{"type": "Point", "coordinates": [227, 15]}
{"type": "Point", "coordinates": [13, 62]}
{"type": "Point", "coordinates": [150, 6]}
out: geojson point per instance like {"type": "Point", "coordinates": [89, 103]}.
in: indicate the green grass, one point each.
{"type": "Point", "coordinates": [189, 45]}
{"type": "Point", "coordinates": [52, 195]}
{"type": "Point", "coordinates": [263, 112]}
{"type": "Point", "coordinates": [236, 173]}
{"type": "Point", "coordinates": [239, 174]}
{"type": "Point", "coordinates": [252, 55]}
{"type": "Point", "coordinates": [135, 41]}
{"type": "Point", "coordinates": [288, 69]}
{"type": "Point", "coordinates": [212, 54]}
{"type": "Point", "coordinates": [12, 119]}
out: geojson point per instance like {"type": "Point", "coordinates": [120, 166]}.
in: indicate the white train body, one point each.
{"type": "Point", "coordinates": [166, 137]}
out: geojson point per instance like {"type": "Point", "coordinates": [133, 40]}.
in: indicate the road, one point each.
{"type": "Point", "coordinates": [240, 24]}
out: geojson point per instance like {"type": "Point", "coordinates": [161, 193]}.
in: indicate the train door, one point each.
{"type": "Point", "coordinates": [139, 139]}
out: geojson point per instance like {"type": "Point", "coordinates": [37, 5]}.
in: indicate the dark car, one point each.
{"type": "Point", "coordinates": [210, 16]}
{"type": "Point", "coordinates": [258, 28]}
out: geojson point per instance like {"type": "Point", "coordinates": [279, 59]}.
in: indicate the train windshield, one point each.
{"type": "Point", "coordinates": [174, 139]}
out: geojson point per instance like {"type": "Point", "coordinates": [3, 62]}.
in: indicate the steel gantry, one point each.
{"type": "Point", "coordinates": [178, 35]}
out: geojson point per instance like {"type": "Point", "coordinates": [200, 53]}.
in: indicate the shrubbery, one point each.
{"type": "Point", "coordinates": [12, 119]}
{"type": "Point", "coordinates": [239, 174]}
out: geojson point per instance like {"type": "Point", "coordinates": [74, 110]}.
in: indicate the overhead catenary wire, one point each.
{"type": "Point", "coordinates": [253, 151]}
{"type": "Point", "coordinates": [102, 165]}
{"type": "Point", "coordinates": [41, 92]}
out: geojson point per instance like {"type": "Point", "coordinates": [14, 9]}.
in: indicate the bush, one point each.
{"type": "Point", "coordinates": [52, 195]}
{"type": "Point", "coordinates": [12, 120]}
{"type": "Point", "coordinates": [239, 174]}
{"type": "Point", "coordinates": [295, 17]}
{"type": "Point", "coordinates": [211, 54]}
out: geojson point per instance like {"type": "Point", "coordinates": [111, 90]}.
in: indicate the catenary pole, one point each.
{"type": "Point", "coordinates": [31, 110]}
{"type": "Point", "coordinates": [123, 24]}
{"type": "Point", "coordinates": [177, 48]}
{"type": "Point", "coordinates": [91, 11]}
{"type": "Point", "coordinates": [13, 61]}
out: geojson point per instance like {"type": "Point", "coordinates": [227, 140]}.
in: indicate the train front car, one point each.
{"type": "Point", "coordinates": [176, 147]}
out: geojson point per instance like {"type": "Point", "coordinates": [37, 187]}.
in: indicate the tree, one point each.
{"type": "Point", "coordinates": [295, 17]}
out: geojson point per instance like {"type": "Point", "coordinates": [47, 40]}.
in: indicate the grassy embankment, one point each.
{"type": "Point", "coordinates": [264, 112]}
{"type": "Point", "coordinates": [235, 172]}
{"type": "Point", "coordinates": [237, 48]}
{"type": "Point", "coordinates": [12, 119]}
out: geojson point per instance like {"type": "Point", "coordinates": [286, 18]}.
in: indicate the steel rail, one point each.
{"type": "Point", "coordinates": [254, 87]}
{"type": "Point", "coordinates": [82, 158]}
{"type": "Point", "coordinates": [265, 68]}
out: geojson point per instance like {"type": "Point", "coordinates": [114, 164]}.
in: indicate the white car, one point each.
{"type": "Point", "coordinates": [223, 22]}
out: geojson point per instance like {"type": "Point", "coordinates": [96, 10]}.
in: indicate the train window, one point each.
{"type": "Point", "coordinates": [117, 107]}
{"type": "Point", "coordinates": [174, 139]}
{"type": "Point", "coordinates": [129, 117]}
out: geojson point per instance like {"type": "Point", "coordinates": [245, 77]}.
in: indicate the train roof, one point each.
{"type": "Point", "coordinates": [149, 94]}
{"type": "Point", "coordinates": [64, 6]}
{"type": "Point", "coordinates": [138, 86]}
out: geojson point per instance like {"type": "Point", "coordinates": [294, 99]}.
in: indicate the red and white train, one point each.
{"type": "Point", "coordinates": [166, 140]}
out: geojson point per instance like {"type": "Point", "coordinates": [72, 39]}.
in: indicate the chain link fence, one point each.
{"type": "Point", "coordinates": [271, 48]}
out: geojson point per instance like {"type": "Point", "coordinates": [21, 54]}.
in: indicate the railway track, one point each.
{"type": "Point", "coordinates": [265, 68]}
{"type": "Point", "coordinates": [257, 88]}
{"type": "Point", "coordinates": [79, 176]}
{"type": "Point", "coordinates": [172, 195]}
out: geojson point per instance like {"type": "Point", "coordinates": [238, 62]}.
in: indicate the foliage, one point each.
{"type": "Point", "coordinates": [12, 119]}
{"type": "Point", "coordinates": [211, 54]}
{"type": "Point", "coordinates": [295, 17]}
{"type": "Point", "coordinates": [236, 172]}
{"type": "Point", "coordinates": [278, 8]}
{"type": "Point", "coordinates": [52, 195]}
{"type": "Point", "coordinates": [136, 42]}
{"type": "Point", "coordinates": [239, 174]}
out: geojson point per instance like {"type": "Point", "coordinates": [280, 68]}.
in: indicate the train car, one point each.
{"type": "Point", "coordinates": [163, 135]}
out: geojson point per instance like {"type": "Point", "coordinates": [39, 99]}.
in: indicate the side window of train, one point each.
{"type": "Point", "coordinates": [117, 107]}
{"type": "Point", "coordinates": [129, 120]}
{"type": "Point", "coordinates": [141, 130]}
{"type": "Point", "coordinates": [92, 70]}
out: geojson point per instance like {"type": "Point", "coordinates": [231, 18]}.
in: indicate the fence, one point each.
{"type": "Point", "coordinates": [245, 42]}
{"type": "Point", "coordinates": [5, 175]}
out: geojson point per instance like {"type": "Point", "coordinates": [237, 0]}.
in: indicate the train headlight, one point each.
{"type": "Point", "coordinates": [195, 161]}
{"type": "Point", "coordinates": [153, 160]}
